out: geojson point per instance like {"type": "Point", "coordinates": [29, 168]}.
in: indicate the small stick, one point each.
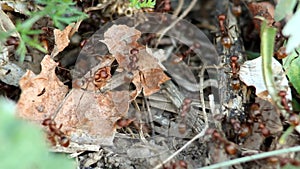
{"type": "Point", "coordinates": [199, 135]}
{"type": "Point", "coordinates": [253, 157]}
{"type": "Point", "coordinates": [178, 9]}
{"type": "Point", "coordinates": [190, 7]}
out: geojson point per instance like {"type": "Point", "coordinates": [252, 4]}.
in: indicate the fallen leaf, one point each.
{"type": "Point", "coordinates": [90, 117]}
{"type": "Point", "coordinates": [121, 41]}
{"type": "Point", "coordinates": [251, 74]}
{"type": "Point", "coordinates": [41, 94]}
{"type": "Point", "coordinates": [62, 38]}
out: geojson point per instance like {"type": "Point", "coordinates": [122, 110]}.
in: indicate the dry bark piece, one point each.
{"type": "Point", "coordinates": [41, 94]}
{"type": "Point", "coordinates": [121, 41]}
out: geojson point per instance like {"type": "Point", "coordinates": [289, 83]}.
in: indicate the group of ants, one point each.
{"type": "Point", "coordinates": [56, 136]}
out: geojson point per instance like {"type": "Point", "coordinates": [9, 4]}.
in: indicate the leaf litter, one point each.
{"type": "Point", "coordinates": [89, 116]}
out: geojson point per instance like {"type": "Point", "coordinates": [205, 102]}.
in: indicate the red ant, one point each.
{"type": "Point", "coordinates": [166, 6]}
{"type": "Point", "coordinates": [230, 147]}
{"type": "Point", "coordinates": [236, 9]}
{"type": "Point", "coordinates": [284, 101]}
{"type": "Point", "coordinates": [13, 41]}
{"type": "Point", "coordinates": [281, 53]}
{"type": "Point", "coordinates": [235, 82]}
{"type": "Point", "coordinates": [234, 65]}
{"type": "Point", "coordinates": [184, 110]}
{"type": "Point", "coordinates": [176, 165]}
{"type": "Point", "coordinates": [56, 135]}
{"type": "Point", "coordinates": [102, 76]}
{"type": "Point", "coordinates": [124, 122]}
{"type": "Point", "coordinates": [225, 39]}
{"type": "Point", "coordinates": [283, 161]}
{"type": "Point", "coordinates": [256, 116]}
{"type": "Point", "coordinates": [133, 59]}
{"type": "Point", "coordinates": [187, 52]}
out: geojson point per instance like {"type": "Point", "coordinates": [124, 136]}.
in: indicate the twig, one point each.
{"type": "Point", "coordinates": [188, 9]}
{"type": "Point", "coordinates": [201, 82]}
{"type": "Point", "coordinates": [194, 87]}
{"type": "Point", "coordinates": [253, 157]}
{"type": "Point", "coordinates": [179, 7]}
{"type": "Point", "coordinates": [184, 146]}
{"type": "Point", "coordinates": [201, 134]}
{"type": "Point", "coordinates": [149, 114]}
{"type": "Point", "coordinates": [61, 104]}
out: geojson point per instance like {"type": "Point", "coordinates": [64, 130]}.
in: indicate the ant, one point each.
{"type": "Point", "coordinates": [234, 65]}
{"type": "Point", "coordinates": [184, 110]}
{"type": "Point", "coordinates": [133, 59]}
{"type": "Point", "coordinates": [235, 82]}
{"type": "Point", "coordinates": [166, 6]}
{"type": "Point", "coordinates": [225, 39]}
{"type": "Point", "coordinates": [124, 122]}
{"type": "Point", "coordinates": [187, 53]}
{"type": "Point", "coordinates": [284, 101]}
{"type": "Point", "coordinates": [56, 135]}
{"type": "Point", "coordinates": [237, 9]}
{"type": "Point", "coordinates": [283, 161]}
{"type": "Point", "coordinates": [230, 148]}
{"type": "Point", "coordinates": [102, 76]}
{"type": "Point", "coordinates": [256, 116]}
{"type": "Point", "coordinates": [293, 118]}
{"type": "Point", "coordinates": [13, 41]}
{"type": "Point", "coordinates": [176, 165]}
{"type": "Point", "coordinates": [281, 53]}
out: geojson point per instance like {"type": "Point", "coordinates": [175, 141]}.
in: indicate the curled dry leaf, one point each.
{"type": "Point", "coordinates": [121, 41]}
{"type": "Point", "coordinates": [251, 75]}
{"type": "Point", "coordinates": [41, 94]}
{"type": "Point", "coordinates": [62, 38]}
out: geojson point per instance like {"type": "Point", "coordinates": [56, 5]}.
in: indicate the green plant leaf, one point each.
{"type": "Point", "coordinates": [296, 105]}
{"type": "Point", "coordinates": [267, 46]}
{"type": "Point", "coordinates": [290, 166]}
{"type": "Point", "coordinates": [145, 4]}
{"type": "Point", "coordinates": [23, 145]}
{"type": "Point", "coordinates": [291, 65]}
{"type": "Point", "coordinates": [148, 4]}
{"type": "Point", "coordinates": [284, 8]}
{"type": "Point", "coordinates": [291, 30]}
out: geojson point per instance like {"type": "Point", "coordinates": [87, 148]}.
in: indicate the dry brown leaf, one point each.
{"type": "Point", "coordinates": [150, 81]}
{"type": "Point", "coordinates": [41, 94]}
{"type": "Point", "coordinates": [62, 38]}
{"type": "Point", "coordinates": [121, 41]}
{"type": "Point", "coordinates": [90, 117]}
{"type": "Point", "coordinates": [87, 117]}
